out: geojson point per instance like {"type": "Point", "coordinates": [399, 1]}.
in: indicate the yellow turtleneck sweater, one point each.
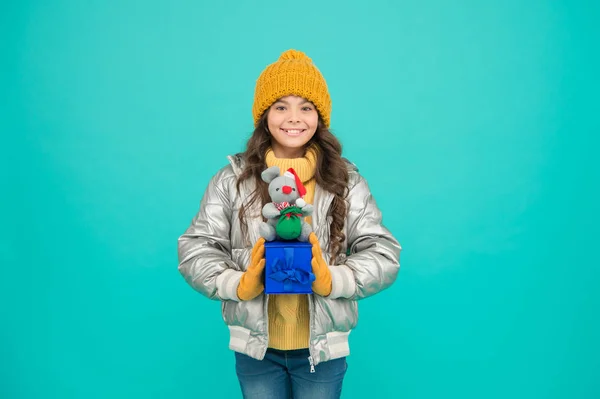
{"type": "Point", "coordinates": [288, 313]}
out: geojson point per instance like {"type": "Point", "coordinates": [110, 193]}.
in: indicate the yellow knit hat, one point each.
{"type": "Point", "coordinates": [293, 74]}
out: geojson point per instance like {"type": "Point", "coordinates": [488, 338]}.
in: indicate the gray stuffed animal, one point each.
{"type": "Point", "coordinates": [285, 214]}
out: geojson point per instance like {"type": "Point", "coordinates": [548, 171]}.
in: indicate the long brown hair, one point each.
{"type": "Point", "coordinates": [331, 172]}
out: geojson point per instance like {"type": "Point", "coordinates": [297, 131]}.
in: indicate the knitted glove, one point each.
{"type": "Point", "coordinates": [322, 283]}
{"type": "Point", "coordinates": [251, 283]}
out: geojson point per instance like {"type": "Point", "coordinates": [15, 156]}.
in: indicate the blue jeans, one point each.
{"type": "Point", "coordinates": [287, 374]}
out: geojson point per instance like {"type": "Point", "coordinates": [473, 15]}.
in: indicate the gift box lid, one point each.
{"type": "Point", "coordinates": [287, 244]}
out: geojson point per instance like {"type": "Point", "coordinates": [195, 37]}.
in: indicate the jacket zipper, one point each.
{"type": "Point", "coordinates": [312, 364]}
{"type": "Point", "coordinates": [311, 298]}
{"type": "Point", "coordinates": [266, 310]}
{"type": "Point", "coordinates": [310, 333]}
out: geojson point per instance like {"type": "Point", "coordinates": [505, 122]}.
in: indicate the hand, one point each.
{"type": "Point", "coordinates": [251, 283]}
{"type": "Point", "coordinates": [322, 283]}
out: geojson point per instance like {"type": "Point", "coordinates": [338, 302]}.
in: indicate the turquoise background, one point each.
{"type": "Point", "coordinates": [475, 123]}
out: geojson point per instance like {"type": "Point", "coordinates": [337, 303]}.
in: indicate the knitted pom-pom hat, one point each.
{"type": "Point", "coordinates": [293, 74]}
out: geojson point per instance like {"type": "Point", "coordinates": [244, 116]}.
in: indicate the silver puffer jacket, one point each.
{"type": "Point", "coordinates": [213, 256]}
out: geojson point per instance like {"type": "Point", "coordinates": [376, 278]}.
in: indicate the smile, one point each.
{"type": "Point", "coordinates": [293, 132]}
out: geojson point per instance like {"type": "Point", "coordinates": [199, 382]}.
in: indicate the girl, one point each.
{"type": "Point", "coordinates": [290, 345]}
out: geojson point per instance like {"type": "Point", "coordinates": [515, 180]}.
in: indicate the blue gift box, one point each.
{"type": "Point", "coordinates": [287, 267]}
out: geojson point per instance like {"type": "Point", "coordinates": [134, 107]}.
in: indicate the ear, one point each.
{"type": "Point", "coordinates": [269, 174]}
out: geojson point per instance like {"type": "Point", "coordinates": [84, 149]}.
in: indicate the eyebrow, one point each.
{"type": "Point", "coordinates": [287, 103]}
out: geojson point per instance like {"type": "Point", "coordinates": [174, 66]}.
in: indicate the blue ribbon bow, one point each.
{"type": "Point", "coordinates": [283, 271]}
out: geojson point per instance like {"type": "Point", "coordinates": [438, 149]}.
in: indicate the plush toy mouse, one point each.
{"type": "Point", "coordinates": [285, 214]}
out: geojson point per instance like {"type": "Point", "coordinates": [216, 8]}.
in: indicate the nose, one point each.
{"type": "Point", "coordinates": [286, 189]}
{"type": "Point", "coordinates": [293, 117]}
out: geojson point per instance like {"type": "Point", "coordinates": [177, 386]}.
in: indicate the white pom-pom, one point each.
{"type": "Point", "coordinates": [300, 202]}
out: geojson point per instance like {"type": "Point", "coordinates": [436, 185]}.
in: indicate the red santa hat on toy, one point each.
{"type": "Point", "coordinates": [291, 173]}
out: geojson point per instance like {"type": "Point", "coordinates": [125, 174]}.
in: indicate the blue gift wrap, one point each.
{"type": "Point", "coordinates": [287, 267]}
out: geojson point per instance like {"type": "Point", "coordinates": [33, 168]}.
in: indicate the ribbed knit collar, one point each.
{"type": "Point", "coordinates": [305, 166]}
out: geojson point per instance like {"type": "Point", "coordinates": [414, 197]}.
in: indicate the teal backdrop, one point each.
{"type": "Point", "coordinates": [475, 123]}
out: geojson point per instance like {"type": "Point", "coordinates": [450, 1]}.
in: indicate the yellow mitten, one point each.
{"type": "Point", "coordinates": [322, 283]}
{"type": "Point", "coordinates": [251, 283]}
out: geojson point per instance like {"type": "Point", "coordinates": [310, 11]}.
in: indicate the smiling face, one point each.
{"type": "Point", "coordinates": [292, 122]}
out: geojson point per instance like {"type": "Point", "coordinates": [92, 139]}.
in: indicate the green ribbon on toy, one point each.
{"type": "Point", "coordinates": [283, 271]}
{"type": "Point", "coordinates": [289, 225]}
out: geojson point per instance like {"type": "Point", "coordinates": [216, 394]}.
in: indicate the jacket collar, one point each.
{"type": "Point", "coordinates": [322, 199]}
{"type": "Point", "coordinates": [237, 163]}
